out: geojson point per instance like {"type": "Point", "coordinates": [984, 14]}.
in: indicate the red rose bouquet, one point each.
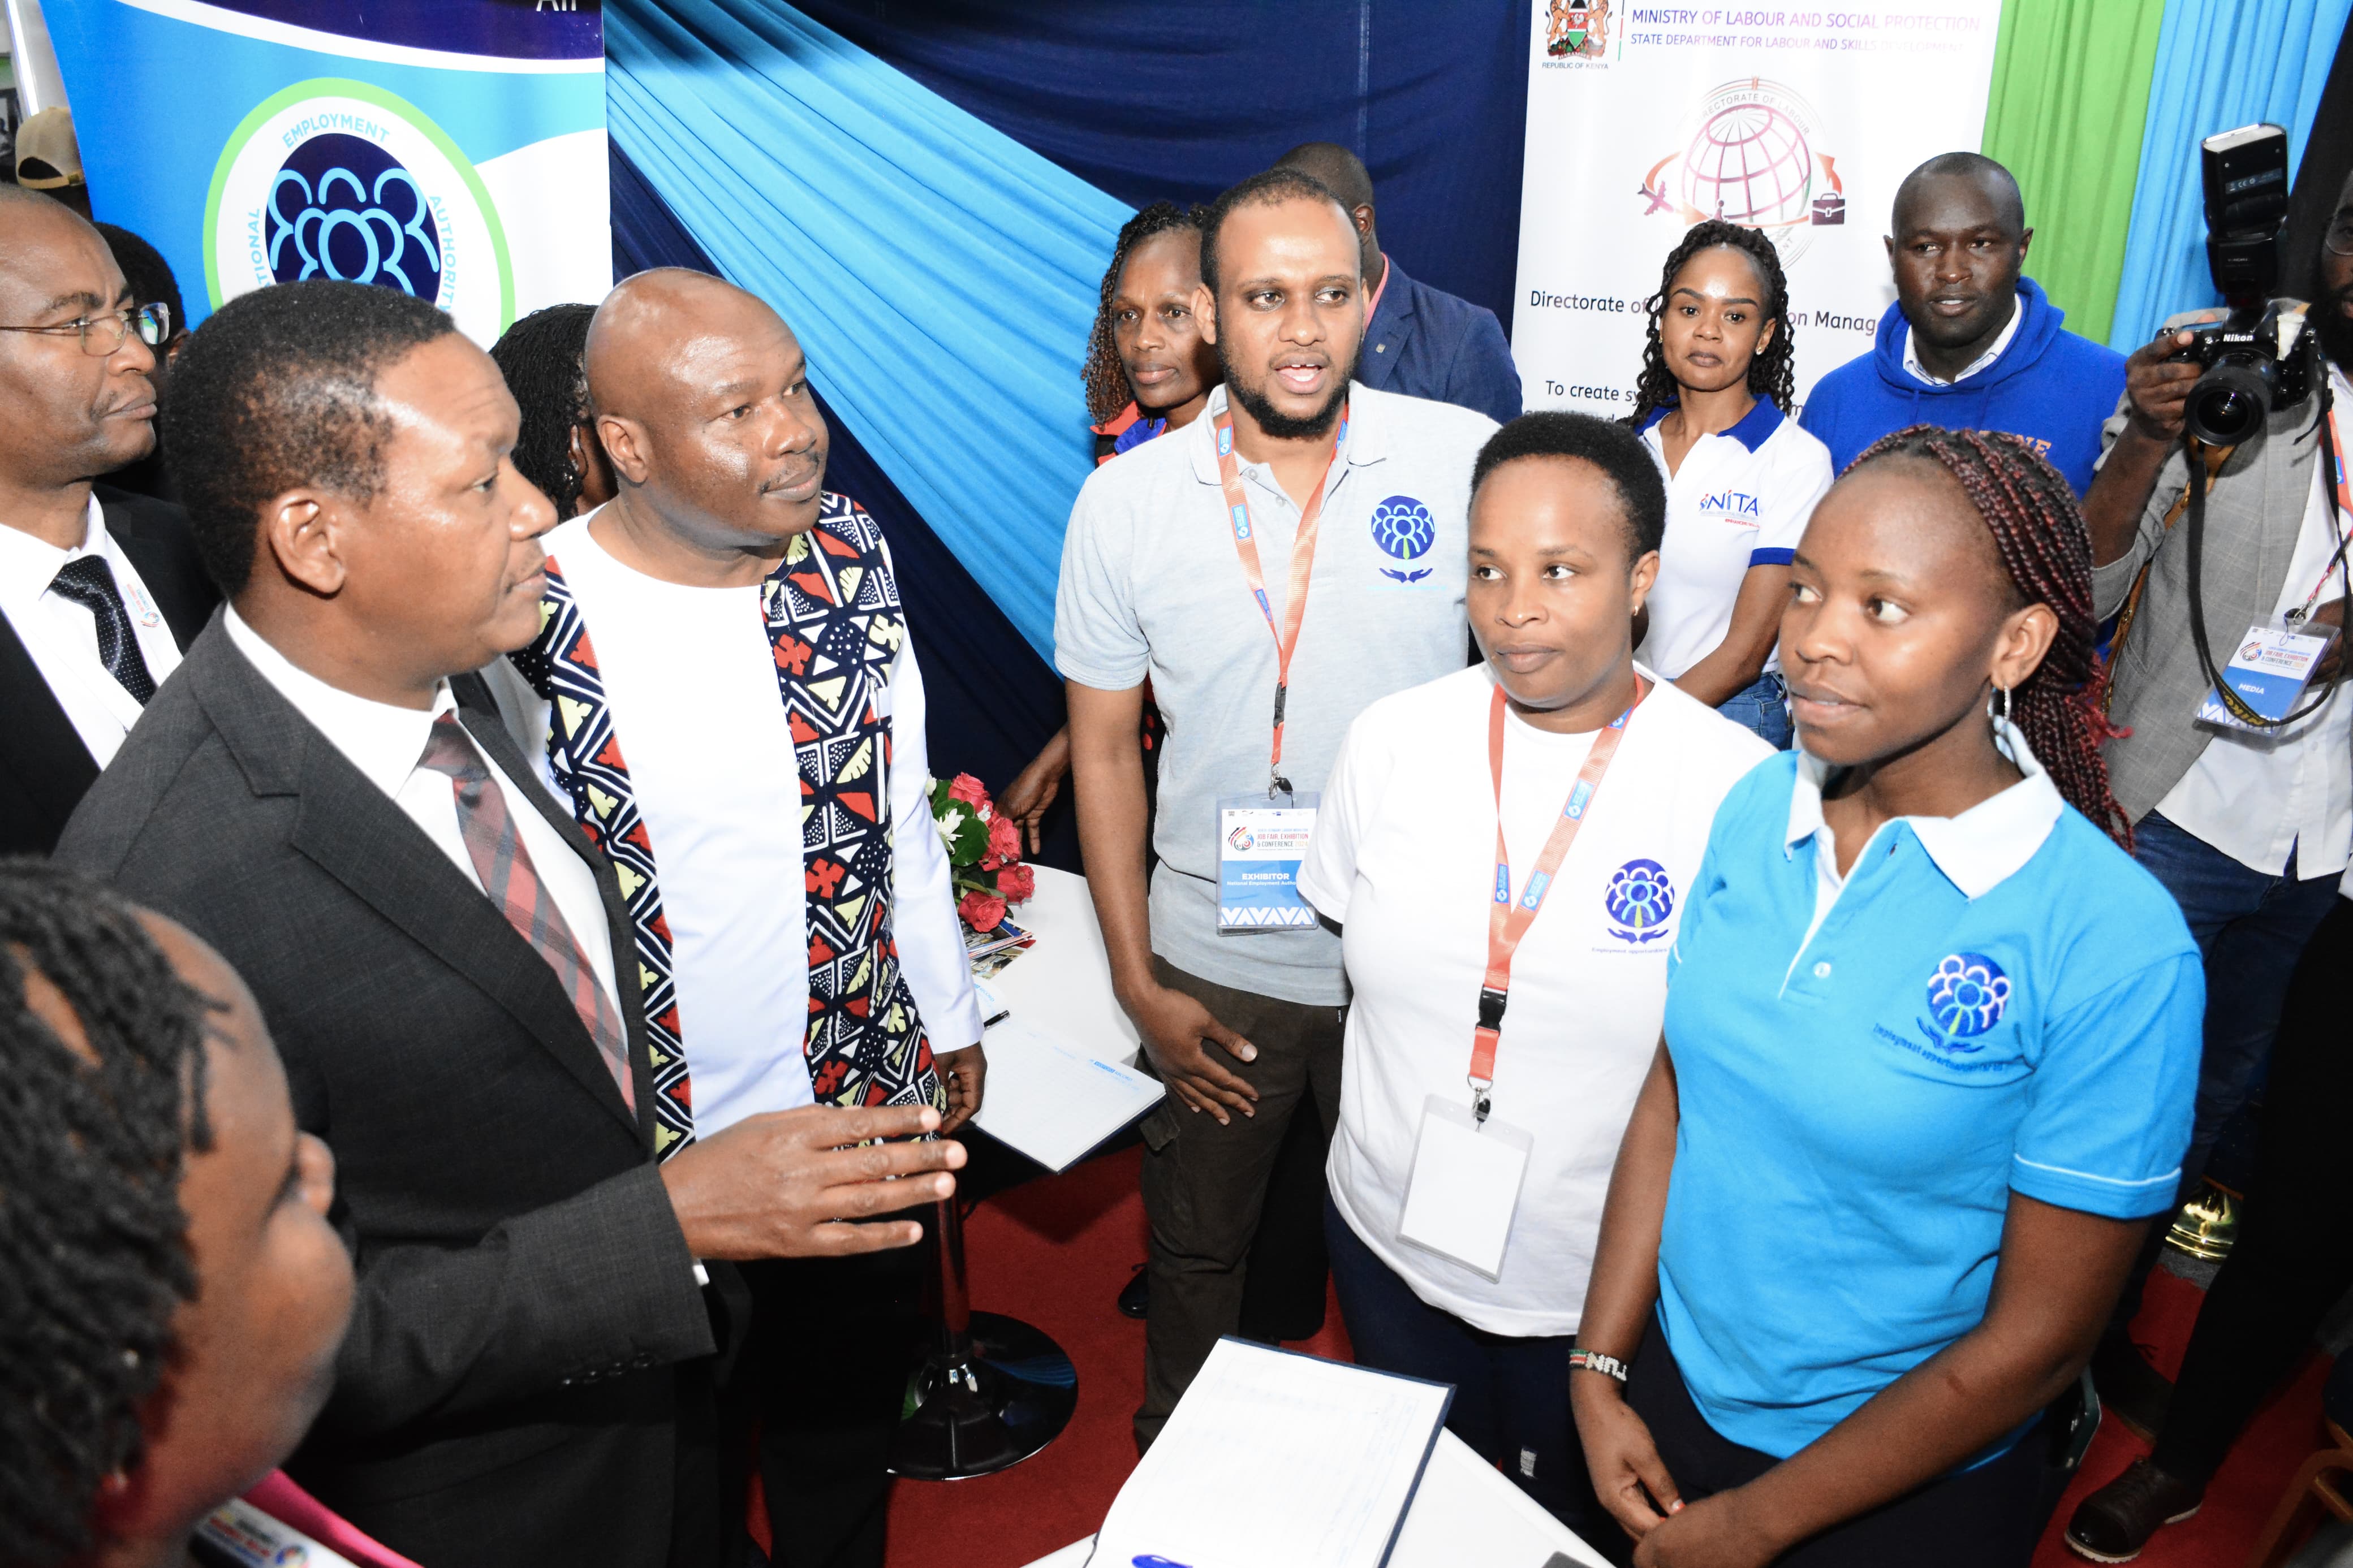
{"type": "Point", "coordinates": [983, 852]}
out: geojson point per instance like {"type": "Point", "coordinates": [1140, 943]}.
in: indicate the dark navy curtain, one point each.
{"type": "Point", "coordinates": [994, 702]}
{"type": "Point", "coordinates": [1179, 99]}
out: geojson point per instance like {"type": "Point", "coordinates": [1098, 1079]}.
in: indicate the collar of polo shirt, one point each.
{"type": "Point", "coordinates": [1752, 430]}
{"type": "Point", "coordinates": [1978, 851]}
{"type": "Point", "coordinates": [1369, 433]}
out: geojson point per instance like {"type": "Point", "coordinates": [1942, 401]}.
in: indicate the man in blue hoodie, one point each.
{"type": "Point", "coordinates": [1969, 344]}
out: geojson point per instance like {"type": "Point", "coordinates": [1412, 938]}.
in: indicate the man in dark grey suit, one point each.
{"type": "Point", "coordinates": [446, 965]}
{"type": "Point", "coordinates": [100, 591]}
{"type": "Point", "coordinates": [2250, 834]}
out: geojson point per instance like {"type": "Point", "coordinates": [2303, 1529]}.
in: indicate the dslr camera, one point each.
{"type": "Point", "coordinates": [2261, 358]}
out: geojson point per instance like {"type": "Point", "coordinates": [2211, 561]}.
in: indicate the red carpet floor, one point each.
{"type": "Point", "coordinates": [1055, 1252]}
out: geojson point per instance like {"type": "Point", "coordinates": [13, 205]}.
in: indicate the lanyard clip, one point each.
{"type": "Point", "coordinates": [1491, 1009]}
{"type": "Point", "coordinates": [1480, 1101]}
{"type": "Point", "coordinates": [1277, 784]}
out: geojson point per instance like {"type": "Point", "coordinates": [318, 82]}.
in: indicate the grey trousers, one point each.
{"type": "Point", "coordinates": [1204, 1185]}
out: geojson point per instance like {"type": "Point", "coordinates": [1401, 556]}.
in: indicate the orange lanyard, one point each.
{"type": "Point", "coordinates": [1303, 561]}
{"type": "Point", "coordinates": [1508, 919]}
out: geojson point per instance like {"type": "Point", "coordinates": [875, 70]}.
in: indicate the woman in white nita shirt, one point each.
{"type": "Point", "coordinates": [1713, 405]}
{"type": "Point", "coordinates": [1565, 515]}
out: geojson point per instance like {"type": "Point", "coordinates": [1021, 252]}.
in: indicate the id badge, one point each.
{"type": "Point", "coordinates": [1260, 843]}
{"type": "Point", "coordinates": [2268, 672]}
{"type": "Point", "coordinates": [1464, 1186]}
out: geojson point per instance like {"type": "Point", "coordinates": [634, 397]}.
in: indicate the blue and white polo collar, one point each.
{"type": "Point", "coordinates": [1978, 851]}
{"type": "Point", "coordinates": [1752, 431]}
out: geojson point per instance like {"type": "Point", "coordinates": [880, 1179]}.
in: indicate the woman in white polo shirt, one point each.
{"type": "Point", "coordinates": [1607, 780]}
{"type": "Point", "coordinates": [1712, 404]}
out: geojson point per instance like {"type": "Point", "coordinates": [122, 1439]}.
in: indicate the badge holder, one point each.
{"type": "Point", "coordinates": [1464, 1187]}
{"type": "Point", "coordinates": [2265, 678]}
{"type": "Point", "coordinates": [1261, 840]}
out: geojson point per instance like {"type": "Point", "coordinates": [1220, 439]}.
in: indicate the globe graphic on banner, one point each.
{"type": "Point", "coordinates": [1749, 164]}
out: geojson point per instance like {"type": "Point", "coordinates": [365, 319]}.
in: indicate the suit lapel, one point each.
{"type": "Point", "coordinates": [44, 751]}
{"type": "Point", "coordinates": [165, 567]}
{"type": "Point", "coordinates": [1388, 333]}
{"type": "Point", "coordinates": [355, 834]}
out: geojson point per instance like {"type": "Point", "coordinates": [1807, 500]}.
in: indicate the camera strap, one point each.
{"type": "Point", "coordinates": [2333, 483]}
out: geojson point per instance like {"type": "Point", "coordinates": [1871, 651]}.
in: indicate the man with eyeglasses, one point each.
{"type": "Point", "coordinates": [99, 589]}
{"type": "Point", "coordinates": [2250, 832]}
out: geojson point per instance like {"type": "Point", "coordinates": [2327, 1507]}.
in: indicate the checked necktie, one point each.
{"type": "Point", "coordinates": [88, 582]}
{"type": "Point", "coordinates": [508, 876]}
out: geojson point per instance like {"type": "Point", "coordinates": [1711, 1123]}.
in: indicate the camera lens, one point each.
{"type": "Point", "coordinates": [2231, 402]}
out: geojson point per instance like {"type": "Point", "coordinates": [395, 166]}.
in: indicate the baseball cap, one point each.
{"type": "Point", "coordinates": [49, 158]}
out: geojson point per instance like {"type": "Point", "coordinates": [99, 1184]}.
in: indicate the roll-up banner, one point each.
{"type": "Point", "coordinates": [453, 150]}
{"type": "Point", "coordinates": [1644, 120]}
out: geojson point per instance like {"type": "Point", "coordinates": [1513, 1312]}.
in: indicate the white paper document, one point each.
{"type": "Point", "coordinates": [1276, 1460]}
{"type": "Point", "coordinates": [1054, 1101]}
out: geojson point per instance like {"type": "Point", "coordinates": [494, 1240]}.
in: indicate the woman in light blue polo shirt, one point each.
{"type": "Point", "coordinates": [1931, 1040]}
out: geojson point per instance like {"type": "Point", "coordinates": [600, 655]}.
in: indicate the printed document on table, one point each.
{"type": "Point", "coordinates": [1054, 1101]}
{"type": "Point", "coordinates": [1277, 1460]}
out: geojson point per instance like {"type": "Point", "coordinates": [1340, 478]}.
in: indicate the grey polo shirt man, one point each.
{"type": "Point", "coordinates": [1151, 587]}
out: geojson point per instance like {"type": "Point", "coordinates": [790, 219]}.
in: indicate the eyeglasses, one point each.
{"type": "Point", "coordinates": [102, 334]}
{"type": "Point", "coordinates": [2339, 238]}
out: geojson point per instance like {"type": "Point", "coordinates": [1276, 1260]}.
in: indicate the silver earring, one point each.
{"type": "Point", "coordinates": [2004, 715]}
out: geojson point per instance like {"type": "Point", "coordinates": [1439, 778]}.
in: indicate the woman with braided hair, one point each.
{"type": "Point", "coordinates": [170, 1293]}
{"type": "Point", "coordinates": [541, 358]}
{"type": "Point", "coordinates": [1148, 372]}
{"type": "Point", "coordinates": [1713, 404]}
{"type": "Point", "coordinates": [1148, 369]}
{"type": "Point", "coordinates": [1930, 1044]}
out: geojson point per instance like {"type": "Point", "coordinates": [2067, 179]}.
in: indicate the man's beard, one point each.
{"type": "Point", "coordinates": [2333, 329]}
{"type": "Point", "coordinates": [1277, 424]}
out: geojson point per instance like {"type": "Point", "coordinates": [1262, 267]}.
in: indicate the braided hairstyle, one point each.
{"type": "Point", "coordinates": [1108, 391]}
{"type": "Point", "coordinates": [93, 1241]}
{"type": "Point", "coordinates": [541, 356]}
{"type": "Point", "coordinates": [2038, 529]}
{"type": "Point", "coordinates": [1772, 373]}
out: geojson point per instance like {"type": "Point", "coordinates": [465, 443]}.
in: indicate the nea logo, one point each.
{"type": "Point", "coordinates": [1736, 507]}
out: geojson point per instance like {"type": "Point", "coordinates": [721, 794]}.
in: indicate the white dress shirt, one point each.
{"type": "Point", "coordinates": [61, 634]}
{"type": "Point", "coordinates": [2255, 797]}
{"type": "Point", "coordinates": [1912, 352]}
{"type": "Point", "coordinates": [386, 744]}
{"type": "Point", "coordinates": [689, 675]}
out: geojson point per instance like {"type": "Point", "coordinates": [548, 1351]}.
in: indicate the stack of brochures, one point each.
{"type": "Point", "coordinates": [991, 950]}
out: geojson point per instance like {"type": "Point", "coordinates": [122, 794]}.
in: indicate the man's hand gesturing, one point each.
{"type": "Point", "coordinates": [792, 1183]}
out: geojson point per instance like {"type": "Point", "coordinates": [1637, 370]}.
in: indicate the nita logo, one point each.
{"type": "Point", "coordinates": [1731, 506]}
{"type": "Point", "coordinates": [339, 179]}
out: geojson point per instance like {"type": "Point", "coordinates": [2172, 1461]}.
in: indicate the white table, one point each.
{"type": "Point", "coordinates": [1464, 1511]}
{"type": "Point", "coordinates": [1063, 983]}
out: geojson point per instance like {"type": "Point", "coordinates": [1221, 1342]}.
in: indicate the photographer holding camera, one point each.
{"type": "Point", "coordinates": [2248, 826]}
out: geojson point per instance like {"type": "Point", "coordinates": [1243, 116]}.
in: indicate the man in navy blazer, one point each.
{"type": "Point", "coordinates": [1420, 340]}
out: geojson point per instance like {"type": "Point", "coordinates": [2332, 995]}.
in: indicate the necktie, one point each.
{"type": "Point", "coordinates": [508, 876]}
{"type": "Point", "coordinates": [88, 582]}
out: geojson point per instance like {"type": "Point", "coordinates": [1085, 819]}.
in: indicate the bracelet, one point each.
{"type": "Point", "coordinates": [1594, 1360]}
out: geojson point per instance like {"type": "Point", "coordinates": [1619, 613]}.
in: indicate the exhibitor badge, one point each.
{"type": "Point", "coordinates": [340, 179]}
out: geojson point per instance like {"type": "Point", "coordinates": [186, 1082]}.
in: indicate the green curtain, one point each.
{"type": "Point", "coordinates": [2069, 92]}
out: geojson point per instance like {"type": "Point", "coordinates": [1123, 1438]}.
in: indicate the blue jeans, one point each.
{"type": "Point", "coordinates": [1762, 709]}
{"type": "Point", "coordinates": [1511, 1395]}
{"type": "Point", "coordinates": [2252, 928]}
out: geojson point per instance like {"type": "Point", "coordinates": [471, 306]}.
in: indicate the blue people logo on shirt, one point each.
{"type": "Point", "coordinates": [343, 207]}
{"type": "Point", "coordinates": [1405, 531]}
{"type": "Point", "coordinates": [1640, 898]}
{"type": "Point", "coordinates": [1967, 994]}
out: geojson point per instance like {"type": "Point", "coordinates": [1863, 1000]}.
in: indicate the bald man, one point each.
{"type": "Point", "coordinates": [1970, 342]}
{"type": "Point", "coordinates": [1420, 340]}
{"type": "Point", "coordinates": [723, 692]}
